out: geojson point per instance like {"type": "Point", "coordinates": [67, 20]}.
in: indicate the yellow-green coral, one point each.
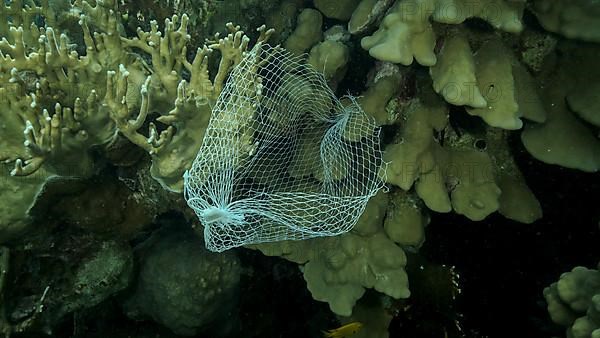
{"type": "Point", "coordinates": [407, 33]}
{"type": "Point", "coordinates": [405, 220]}
{"type": "Point", "coordinates": [562, 138]}
{"type": "Point", "coordinates": [64, 95]}
{"type": "Point", "coordinates": [61, 101]}
{"type": "Point", "coordinates": [454, 74]}
{"type": "Point", "coordinates": [187, 117]}
{"type": "Point", "coordinates": [490, 83]}
{"type": "Point", "coordinates": [574, 302]}
{"type": "Point", "coordinates": [584, 102]}
{"type": "Point", "coordinates": [307, 33]}
{"type": "Point", "coordinates": [411, 154]}
{"type": "Point", "coordinates": [496, 83]}
{"type": "Point", "coordinates": [449, 176]}
{"type": "Point", "coordinates": [330, 57]}
{"type": "Point", "coordinates": [384, 85]}
{"type": "Point", "coordinates": [184, 105]}
{"type": "Point", "coordinates": [338, 269]}
{"type": "Point", "coordinates": [576, 19]}
{"type": "Point", "coordinates": [517, 201]}
{"type": "Point", "coordinates": [336, 9]}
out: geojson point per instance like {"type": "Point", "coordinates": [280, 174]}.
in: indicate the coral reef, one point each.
{"type": "Point", "coordinates": [105, 103]}
{"type": "Point", "coordinates": [57, 113]}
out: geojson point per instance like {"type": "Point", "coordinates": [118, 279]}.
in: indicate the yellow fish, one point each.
{"type": "Point", "coordinates": [343, 331]}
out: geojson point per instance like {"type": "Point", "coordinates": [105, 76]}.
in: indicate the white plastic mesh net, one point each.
{"type": "Point", "coordinates": [282, 158]}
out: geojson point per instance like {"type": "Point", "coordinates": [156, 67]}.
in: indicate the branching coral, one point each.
{"type": "Point", "coordinates": [131, 86]}
{"type": "Point", "coordinates": [174, 148]}
{"type": "Point", "coordinates": [62, 100]}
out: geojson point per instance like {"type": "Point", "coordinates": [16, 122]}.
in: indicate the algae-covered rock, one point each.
{"type": "Point", "coordinates": [105, 272]}
{"type": "Point", "coordinates": [366, 14]}
{"type": "Point", "coordinates": [536, 47]}
{"type": "Point", "coordinates": [183, 286]}
{"type": "Point", "coordinates": [18, 195]}
{"type": "Point", "coordinates": [64, 274]}
{"type": "Point", "coordinates": [105, 207]}
{"type": "Point", "coordinates": [282, 19]}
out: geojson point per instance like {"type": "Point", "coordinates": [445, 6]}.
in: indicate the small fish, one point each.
{"type": "Point", "coordinates": [343, 331]}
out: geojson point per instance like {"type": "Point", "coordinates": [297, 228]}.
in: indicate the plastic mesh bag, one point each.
{"type": "Point", "coordinates": [282, 158]}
